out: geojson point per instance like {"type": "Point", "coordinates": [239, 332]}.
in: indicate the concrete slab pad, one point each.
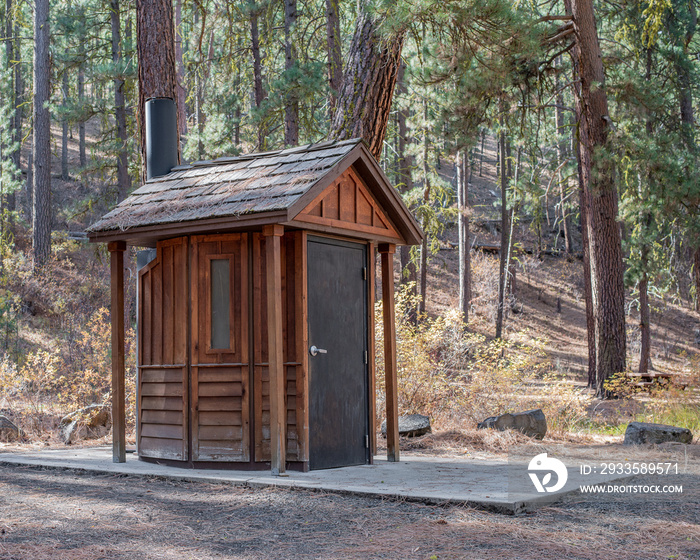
{"type": "Point", "coordinates": [474, 482]}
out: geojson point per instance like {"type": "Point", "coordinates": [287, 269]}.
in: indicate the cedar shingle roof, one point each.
{"type": "Point", "coordinates": [231, 186]}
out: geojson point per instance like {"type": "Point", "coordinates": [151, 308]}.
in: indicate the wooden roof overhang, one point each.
{"type": "Point", "coordinates": [232, 198]}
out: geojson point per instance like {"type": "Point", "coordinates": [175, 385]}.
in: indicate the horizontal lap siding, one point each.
{"type": "Point", "coordinates": [163, 399]}
{"type": "Point", "coordinates": [222, 414]}
{"type": "Point", "coordinates": [163, 405]}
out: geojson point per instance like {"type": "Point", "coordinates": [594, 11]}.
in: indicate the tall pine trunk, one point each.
{"type": "Point", "coordinates": [598, 182]}
{"type": "Point", "coordinates": [682, 25]}
{"type": "Point", "coordinates": [64, 126]}
{"type": "Point", "coordinates": [123, 179]}
{"type": "Point", "coordinates": [41, 207]}
{"type": "Point", "coordinates": [181, 94]}
{"type": "Point", "coordinates": [463, 178]}
{"type": "Point", "coordinates": [81, 101]}
{"type": "Point", "coordinates": [426, 197]}
{"type": "Point", "coordinates": [561, 158]}
{"type": "Point", "coordinates": [405, 170]}
{"type": "Point", "coordinates": [505, 230]}
{"type": "Point", "coordinates": [258, 90]}
{"type": "Point", "coordinates": [155, 46]}
{"type": "Point", "coordinates": [365, 97]}
{"type": "Point", "coordinates": [335, 60]}
{"type": "Point", "coordinates": [15, 120]}
{"type": "Point", "coordinates": [291, 108]}
{"type": "Point", "coordinates": [645, 222]}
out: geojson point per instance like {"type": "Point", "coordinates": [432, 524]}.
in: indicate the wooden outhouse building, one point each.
{"type": "Point", "coordinates": [255, 310]}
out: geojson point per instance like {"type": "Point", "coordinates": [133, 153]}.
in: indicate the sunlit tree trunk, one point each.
{"type": "Point", "coordinates": [64, 126]}
{"type": "Point", "coordinates": [258, 90]}
{"type": "Point", "coordinates": [463, 177]}
{"type": "Point", "coordinates": [561, 157]}
{"type": "Point", "coordinates": [335, 60]}
{"type": "Point", "coordinates": [366, 95]}
{"type": "Point", "coordinates": [598, 182]}
{"type": "Point", "coordinates": [41, 211]}
{"type": "Point", "coordinates": [155, 44]}
{"type": "Point", "coordinates": [291, 109]}
{"type": "Point", "coordinates": [505, 230]}
{"type": "Point", "coordinates": [181, 94]}
{"type": "Point", "coordinates": [81, 100]}
{"type": "Point", "coordinates": [123, 179]}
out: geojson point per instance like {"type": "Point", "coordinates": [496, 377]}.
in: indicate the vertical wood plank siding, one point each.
{"type": "Point", "coordinates": [162, 353]}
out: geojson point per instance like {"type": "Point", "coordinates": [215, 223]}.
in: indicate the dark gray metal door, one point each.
{"type": "Point", "coordinates": [338, 383]}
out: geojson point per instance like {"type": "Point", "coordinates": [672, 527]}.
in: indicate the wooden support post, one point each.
{"type": "Point", "coordinates": [116, 251]}
{"type": "Point", "coordinates": [387, 251]}
{"type": "Point", "coordinates": [372, 281]}
{"type": "Point", "coordinates": [278, 418]}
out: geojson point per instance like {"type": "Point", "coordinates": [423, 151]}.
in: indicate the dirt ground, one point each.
{"type": "Point", "coordinates": [57, 515]}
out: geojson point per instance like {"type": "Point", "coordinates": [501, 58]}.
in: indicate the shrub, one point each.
{"type": "Point", "coordinates": [459, 377]}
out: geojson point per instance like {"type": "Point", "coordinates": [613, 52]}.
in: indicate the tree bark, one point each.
{"type": "Point", "coordinates": [155, 47]}
{"type": "Point", "coordinates": [41, 211]}
{"type": "Point", "coordinates": [645, 222]}
{"type": "Point", "coordinates": [682, 27]}
{"type": "Point", "coordinates": [81, 101]}
{"type": "Point", "coordinates": [463, 177]}
{"type": "Point", "coordinates": [14, 121]}
{"type": "Point", "coordinates": [181, 94]}
{"type": "Point", "coordinates": [64, 126]}
{"type": "Point", "coordinates": [123, 179]}
{"type": "Point", "coordinates": [18, 100]}
{"type": "Point", "coordinates": [258, 90]}
{"type": "Point", "coordinates": [365, 97]}
{"type": "Point", "coordinates": [505, 229]}
{"type": "Point", "coordinates": [426, 197]}
{"type": "Point", "coordinates": [335, 58]}
{"type": "Point", "coordinates": [644, 324]}
{"type": "Point", "coordinates": [598, 178]}
{"type": "Point", "coordinates": [405, 174]}
{"type": "Point", "coordinates": [29, 185]}
{"type": "Point", "coordinates": [561, 157]}
{"type": "Point", "coordinates": [291, 109]}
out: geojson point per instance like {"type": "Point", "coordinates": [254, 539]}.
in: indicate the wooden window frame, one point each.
{"type": "Point", "coordinates": [231, 315]}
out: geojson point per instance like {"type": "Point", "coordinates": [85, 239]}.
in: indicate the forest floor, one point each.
{"type": "Point", "coordinates": [72, 516]}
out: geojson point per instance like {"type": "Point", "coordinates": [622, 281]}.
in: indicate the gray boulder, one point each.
{"type": "Point", "coordinates": [643, 432]}
{"type": "Point", "coordinates": [91, 422]}
{"type": "Point", "coordinates": [8, 431]}
{"type": "Point", "coordinates": [411, 425]}
{"type": "Point", "coordinates": [532, 423]}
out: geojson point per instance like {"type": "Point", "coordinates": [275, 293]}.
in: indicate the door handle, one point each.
{"type": "Point", "coordinates": [314, 351]}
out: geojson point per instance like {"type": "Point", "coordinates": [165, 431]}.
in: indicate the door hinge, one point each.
{"type": "Point", "coordinates": [367, 442]}
{"type": "Point", "coordinates": [364, 273]}
{"type": "Point", "coordinates": [365, 356]}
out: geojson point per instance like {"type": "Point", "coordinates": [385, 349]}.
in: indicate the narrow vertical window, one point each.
{"type": "Point", "coordinates": [220, 303]}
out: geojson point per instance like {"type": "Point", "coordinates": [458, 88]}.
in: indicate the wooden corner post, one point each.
{"type": "Point", "coordinates": [387, 251]}
{"type": "Point", "coordinates": [273, 266]}
{"type": "Point", "coordinates": [116, 251]}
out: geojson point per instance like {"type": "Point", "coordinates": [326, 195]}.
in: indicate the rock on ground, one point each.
{"type": "Point", "coordinates": [643, 432]}
{"type": "Point", "coordinates": [411, 425]}
{"type": "Point", "coordinates": [94, 421]}
{"type": "Point", "coordinates": [8, 431]}
{"type": "Point", "coordinates": [532, 423]}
